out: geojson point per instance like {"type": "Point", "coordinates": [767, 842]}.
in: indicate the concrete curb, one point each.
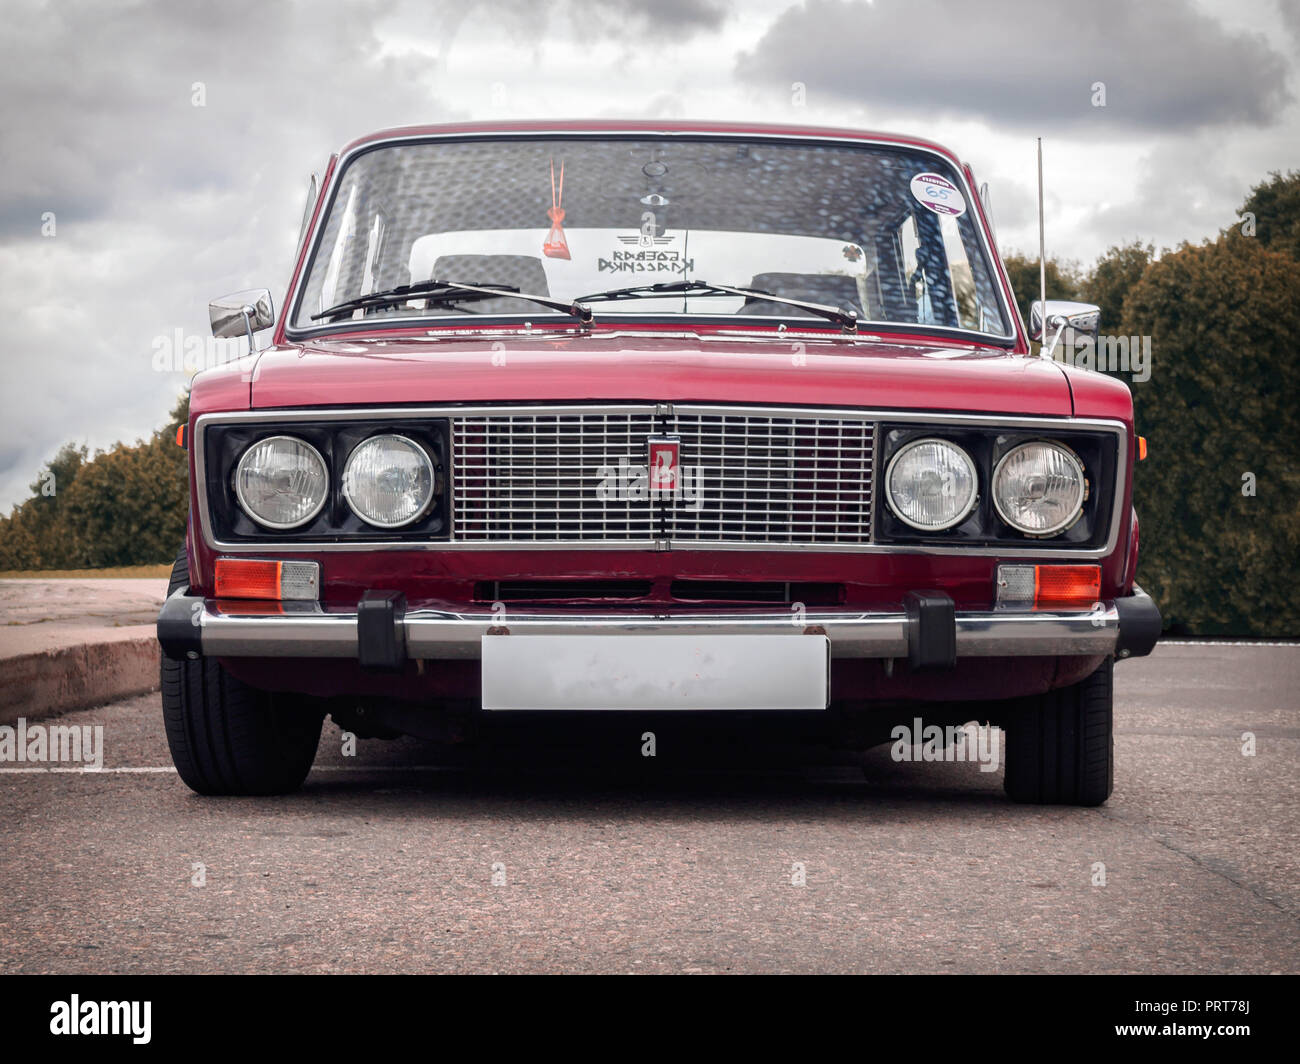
{"type": "Point", "coordinates": [62, 679]}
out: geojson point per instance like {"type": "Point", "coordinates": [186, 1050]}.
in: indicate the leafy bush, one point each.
{"type": "Point", "coordinates": [1274, 210]}
{"type": "Point", "coordinates": [1063, 280]}
{"type": "Point", "coordinates": [1113, 277]}
{"type": "Point", "coordinates": [1220, 404]}
{"type": "Point", "coordinates": [123, 506]}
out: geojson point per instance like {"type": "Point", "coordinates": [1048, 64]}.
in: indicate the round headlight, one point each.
{"type": "Point", "coordinates": [931, 485]}
{"type": "Point", "coordinates": [1039, 488]}
{"type": "Point", "coordinates": [281, 482]}
{"type": "Point", "coordinates": [388, 481]}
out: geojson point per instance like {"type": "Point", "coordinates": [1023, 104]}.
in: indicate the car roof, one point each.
{"type": "Point", "coordinates": [645, 126]}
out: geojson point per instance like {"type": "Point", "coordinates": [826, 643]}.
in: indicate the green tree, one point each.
{"type": "Point", "coordinates": [34, 535]}
{"type": "Point", "coordinates": [1273, 210]}
{"type": "Point", "coordinates": [1113, 276]}
{"type": "Point", "coordinates": [1063, 279]}
{"type": "Point", "coordinates": [60, 471]}
{"type": "Point", "coordinates": [123, 506]}
{"type": "Point", "coordinates": [1219, 497]}
{"type": "Point", "coordinates": [18, 545]}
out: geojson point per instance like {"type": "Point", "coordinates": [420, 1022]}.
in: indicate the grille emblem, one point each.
{"type": "Point", "coordinates": [664, 462]}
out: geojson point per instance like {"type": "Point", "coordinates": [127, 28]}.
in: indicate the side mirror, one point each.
{"type": "Point", "coordinates": [1063, 314]}
{"type": "Point", "coordinates": [242, 313]}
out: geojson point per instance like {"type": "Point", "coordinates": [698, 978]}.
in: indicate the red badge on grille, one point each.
{"type": "Point", "coordinates": [664, 463]}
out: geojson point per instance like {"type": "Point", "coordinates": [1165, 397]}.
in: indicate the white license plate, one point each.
{"type": "Point", "coordinates": [655, 672]}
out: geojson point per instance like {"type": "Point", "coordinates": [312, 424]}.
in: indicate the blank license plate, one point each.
{"type": "Point", "coordinates": [655, 672]}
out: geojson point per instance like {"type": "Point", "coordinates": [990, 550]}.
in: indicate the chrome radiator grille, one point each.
{"type": "Point", "coordinates": [535, 476]}
{"type": "Point", "coordinates": [766, 479]}
{"type": "Point", "coordinates": [763, 477]}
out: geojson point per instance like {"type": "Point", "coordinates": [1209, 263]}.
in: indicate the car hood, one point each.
{"type": "Point", "coordinates": [627, 367]}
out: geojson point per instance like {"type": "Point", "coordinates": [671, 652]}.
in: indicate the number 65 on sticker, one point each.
{"type": "Point", "coordinates": [936, 193]}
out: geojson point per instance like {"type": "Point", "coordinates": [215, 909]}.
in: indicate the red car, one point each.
{"type": "Point", "coordinates": [632, 422]}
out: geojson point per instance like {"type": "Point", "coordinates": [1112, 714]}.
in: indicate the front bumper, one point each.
{"type": "Point", "coordinates": [382, 633]}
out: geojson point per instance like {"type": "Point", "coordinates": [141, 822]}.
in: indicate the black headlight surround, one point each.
{"type": "Point", "coordinates": [225, 444]}
{"type": "Point", "coordinates": [983, 527]}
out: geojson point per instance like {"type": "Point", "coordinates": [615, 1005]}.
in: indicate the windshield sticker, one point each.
{"type": "Point", "coordinates": [556, 246]}
{"type": "Point", "coordinates": [646, 253]}
{"type": "Point", "coordinates": [935, 192]}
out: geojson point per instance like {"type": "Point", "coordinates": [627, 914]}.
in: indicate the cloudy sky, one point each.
{"type": "Point", "coordinates": [157, 205]}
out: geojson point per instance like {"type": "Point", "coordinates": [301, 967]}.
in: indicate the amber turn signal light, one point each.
{"type": "Point", "coordinates": [1142, 448]}
{"type": "Point", "coordinates": [255, 578]}
{"type": "Point", "coordinates": [1046, 586]}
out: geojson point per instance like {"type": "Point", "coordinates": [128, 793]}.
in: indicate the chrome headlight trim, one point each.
{"type": "Point", "coordinates": [1077, 508]}
{"type": "Point", "coordinates": [280, 526]}
{"type": "Point", "coordinates": [970, 468]}
{"type": "Point", "coordinates": [425, 459]}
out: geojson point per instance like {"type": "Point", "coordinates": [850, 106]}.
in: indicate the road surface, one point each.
{"type": "Point", "coordinates": [390, 862]}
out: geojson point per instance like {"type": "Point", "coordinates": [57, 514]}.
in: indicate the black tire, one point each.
{"type": "Point", "coordinates": [1060, 746]}
{"type": "Point", "coordinates": [229, 738]}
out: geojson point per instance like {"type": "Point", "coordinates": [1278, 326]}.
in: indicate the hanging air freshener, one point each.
{"type": "Point", "coordinates": [556, 247]}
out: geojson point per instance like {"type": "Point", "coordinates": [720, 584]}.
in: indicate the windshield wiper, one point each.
{"type": "Point", "coordinates": [438, 291]}
{"type": "Point", "coordinates": [846, 319]}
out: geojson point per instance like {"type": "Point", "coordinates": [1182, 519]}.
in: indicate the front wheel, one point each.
{"type": "Point", "coordinates": [229, 738]}
{"type": "Point", "coordinates": [1060, 746]}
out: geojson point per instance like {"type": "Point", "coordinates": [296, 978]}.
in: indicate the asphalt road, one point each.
{"type": "Point", "coordinates": [382, 864]}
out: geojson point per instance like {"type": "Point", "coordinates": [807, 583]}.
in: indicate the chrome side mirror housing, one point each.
{"type": "Point", "coordinates": [1062, 314]}
{"type": "Point", "coordinates": [242, 313]}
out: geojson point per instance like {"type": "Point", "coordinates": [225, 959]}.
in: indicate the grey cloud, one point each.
{"type": "Point", "coordinates": [533, 25]}
{"type": "Point", "coordinates": [160, 205]}
{"type": "Point", "coordinates": [1166, 66]}
{"type": "Point", "coordinates": [1290, 12]}
{"type": "Point", "coordinates": [1209, 181]}
{"type": "Point", "coordinates": [1013, 205]}
{"type": "Point", "coordinates": [99, 114]}
{"type": "Point", "coordinates": [677, 15]}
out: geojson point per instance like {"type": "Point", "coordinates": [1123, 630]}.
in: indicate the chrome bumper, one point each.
{"type": "Point", "coordinates": [191, 626]}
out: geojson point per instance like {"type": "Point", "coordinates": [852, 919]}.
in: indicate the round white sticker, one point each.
{"type": "Point", "coordinates": [938, 194]}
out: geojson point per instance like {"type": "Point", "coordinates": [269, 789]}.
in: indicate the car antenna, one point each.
{"type": "Point", "coordinates": [1042, 262]}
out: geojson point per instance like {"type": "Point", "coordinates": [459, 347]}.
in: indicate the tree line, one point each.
{"type": "Point", "coordinates": [126, 505]}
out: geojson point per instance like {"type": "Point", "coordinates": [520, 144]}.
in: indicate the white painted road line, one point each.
{"type": "Point", "coordinates": [86, 771]}
{"type": "Point", "coordinates": [81, 771]}
{"type": "Point", "coordinates": [1226, 643]}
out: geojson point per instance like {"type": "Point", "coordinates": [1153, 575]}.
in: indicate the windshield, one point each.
{"type": "Point", "coordinates": [884, 232]}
